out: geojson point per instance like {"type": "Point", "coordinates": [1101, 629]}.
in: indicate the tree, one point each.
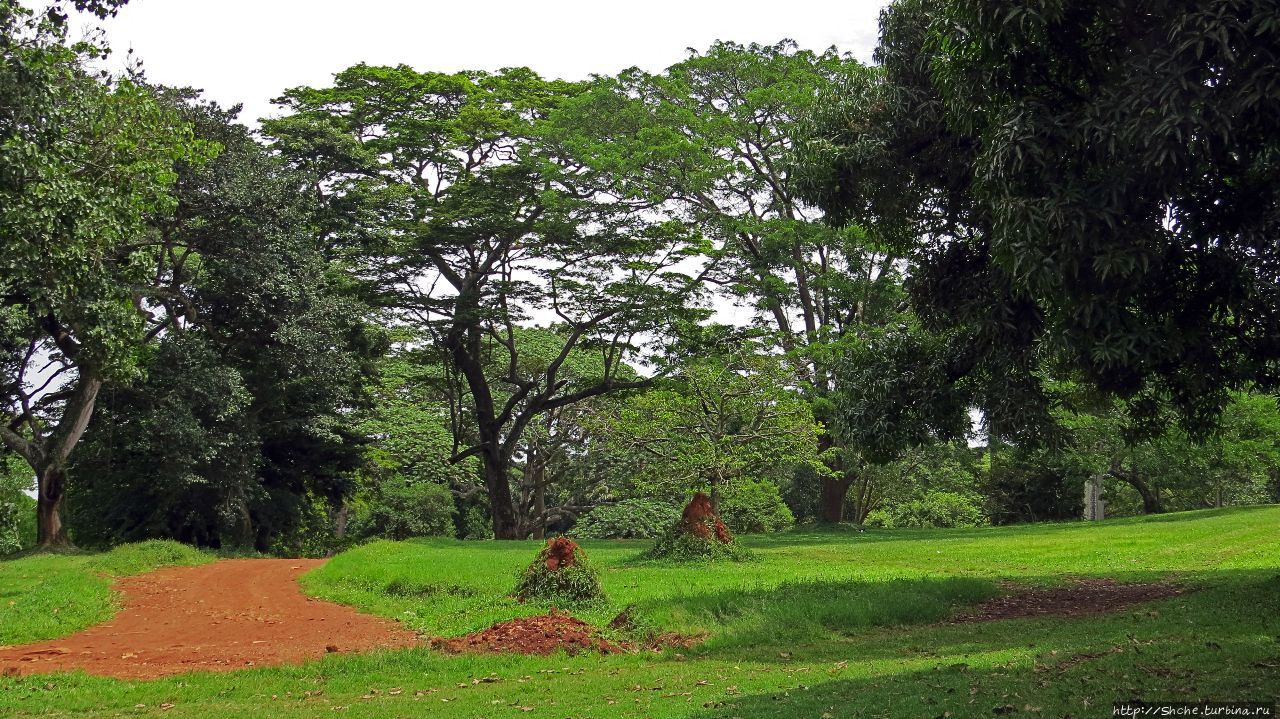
{"type": "Point", "coordinates": [718, 133]}
{"type": "Point", "coordinates": [720, 420]}
{"type": "Point", "coordinates": [84, 164]}
{"type": "Point", "coordinates": [239, 421]}
{"type": "Point", "coordinates": [17, 516]}
{"type": "Point", "coordinates": [1172, 470]}
{"type": "Point", "coordinates": [1088, 189]}
{"type": "Point", "coordinates": [481, 212]}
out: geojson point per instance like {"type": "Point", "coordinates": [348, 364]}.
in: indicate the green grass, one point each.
{"type": "Point", "coordinates": [44, 595]}
{"type": "Point", "coordinates": [823, 623]}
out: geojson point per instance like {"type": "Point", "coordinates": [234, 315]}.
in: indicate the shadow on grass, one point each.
{"type": "Point", "coordinates": [1218, 644]}
{"type": "Point", "coordinates": [810, 611]}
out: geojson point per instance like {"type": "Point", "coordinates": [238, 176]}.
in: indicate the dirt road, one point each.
{"type": "Point", "coordinates": [226, 615]}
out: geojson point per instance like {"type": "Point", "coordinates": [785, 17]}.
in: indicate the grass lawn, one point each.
{"type": "Point", "coordinates": [823, 624]}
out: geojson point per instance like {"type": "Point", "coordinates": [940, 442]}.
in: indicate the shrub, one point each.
{"type": "Point", "coordinates": [934, 509]}
{"type": "Point", "coordinates": [560, 576]}
{"type": "Point", "coordinates": [474, 523]}
{"type": "Point", "coordinates": [699, 535]}
{"type": "Point", "coordinates": [403, 509]}
{"type": "Point", "coordinates": [17, 510]}
{"type": "Point", "coordinates": [10, 540]}
{"type": "Point", "coordinates": [628, 519]}
{"type": "Point", "coordinates": [754, 507]}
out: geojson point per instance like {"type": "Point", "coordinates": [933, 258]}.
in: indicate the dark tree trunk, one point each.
{"type": "Point", "coordinates": [506, 525]}
{"type": "Point", "coordinates": [1151, 503]}
{"type": "Point", "coordinates": [834, 492]}
{"type": "Point", "coordinates": [51, 493]}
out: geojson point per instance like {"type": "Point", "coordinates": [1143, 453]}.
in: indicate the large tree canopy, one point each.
{"type": "Point", "coordinates": [481, 210]}
{"type": "Point", "coordinates": [84, 163]}
{"type": "Point", "coordinates": [717, 133]}
{"type": "Point", "coordinates": [1088, 187]}
{"type": "Point", "coordinates": [239, 416]}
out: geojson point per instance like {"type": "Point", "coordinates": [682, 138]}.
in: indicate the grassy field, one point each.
{"type": "Point", "coordinates": [823, 624]}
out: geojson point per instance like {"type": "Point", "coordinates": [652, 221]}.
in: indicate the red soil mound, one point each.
{"type": "Point", "coordinates": [1082, 597]}
{"type": "Point", "coordinates": [217, 617]}
{"type": "Point", "coordinates": [560, 553]}
{"type": "Point", "coordinates": [700, 518]}
{"type": "Point", "coordinates": [544, 634]}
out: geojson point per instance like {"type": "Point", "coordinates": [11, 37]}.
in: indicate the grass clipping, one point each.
{"type": "Point", "coordinates": [560, 576]}
{"type": "Point", "coordinates": [699, 535]}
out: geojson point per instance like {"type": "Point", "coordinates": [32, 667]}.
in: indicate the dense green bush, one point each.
{"type": "Point", "coordinates": [754, 507]}
{"type": "Point", "coordinates": [402, 509]}
{"type": "Point", "coordinates": [560, 576]}
{"type": "Point", "coordinates": [934, 509]}
{"type": "Point", "coordinates": [474, 523]}
{"type": "Point", "coordinates": [10, 541]}
{"type": "Point", "coordinates": [680, 546]}
{"type": "Point", "coordinates": [17, 510]}
{"type": "Point", "coordinates": [628, 519]}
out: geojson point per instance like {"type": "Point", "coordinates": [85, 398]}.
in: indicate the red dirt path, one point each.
{"type": "Point", "coordinates": [226, 615]}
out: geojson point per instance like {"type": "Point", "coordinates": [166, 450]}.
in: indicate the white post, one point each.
{"type": "Point", "coordinates": [1094, 506]}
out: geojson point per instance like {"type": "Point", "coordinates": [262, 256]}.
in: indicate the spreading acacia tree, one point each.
{"type": "Point", "coordinates": [83, 278]}
{"type": "Point", "coordinates": [473, 210]}
{"type": "Point", "coordinates": [719, 131]}
{"type": "Point", "coordinates": [1092, 192]}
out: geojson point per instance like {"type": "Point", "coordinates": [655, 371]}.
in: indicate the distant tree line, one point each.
{"type": "Point", "coordinates": [1031, 246]}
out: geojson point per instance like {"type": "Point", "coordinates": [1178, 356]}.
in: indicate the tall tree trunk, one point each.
{"type": "Point", "coordinates": [539, 508]}
{"type": "Point", "coordinates": [834, 491]}
{"type": "Point", "coordinates": [51, 485]}
{"type": "Point", "coordinates": [506, 525]}
{"type": "Point", "coordinates": [48, 458]}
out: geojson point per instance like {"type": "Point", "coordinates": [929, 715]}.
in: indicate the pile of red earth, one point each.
{"type": "Point", "coordinates": [1081, 597]}
{"type": "Point", "coordinates": [700, 519]}
{"type": "Point", "coordinates": [543, 634]}
{"type": "Point", "coordinates": [560, 553]}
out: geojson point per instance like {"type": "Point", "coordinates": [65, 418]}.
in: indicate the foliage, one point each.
{"type": "Point", "coordinates": [1172, 469]}
{"type": "Point", "coordinates": [400, 509]}
{"type": "Point", "coordinates": [934, 510]}
{"type": "Point", "coordinates": [634, 518]}
{"type": "Point", "coordinates": [560, 576]}
{"type": "Point", "coordinates": [755, 507]}
{"type": "Point", "coordinates": [721, 420]}
{"type": "Point", "coordinates": [474, 523]}
{"type": "Point", "coordinates": [17, 510]}
{"type": "Point", "coordinates": [1027, 484]}
{"type": "Point", "coordinates": [240, 421]}
{"type": "Point", "coordinates": [721, 128]}
{"type": "Point", "coordinates": [85, 163]}
{"type": "Point", "coordinates": [1084, 187]}
{"type": "Point", "coordinates": [479, 209]}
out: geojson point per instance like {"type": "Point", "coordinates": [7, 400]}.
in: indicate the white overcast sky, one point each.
{"type": "Point", "coordinates": [242, 51]}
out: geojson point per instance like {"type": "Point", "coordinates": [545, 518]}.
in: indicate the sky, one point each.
{"type": "Point", "coordinates": [243, 51]}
